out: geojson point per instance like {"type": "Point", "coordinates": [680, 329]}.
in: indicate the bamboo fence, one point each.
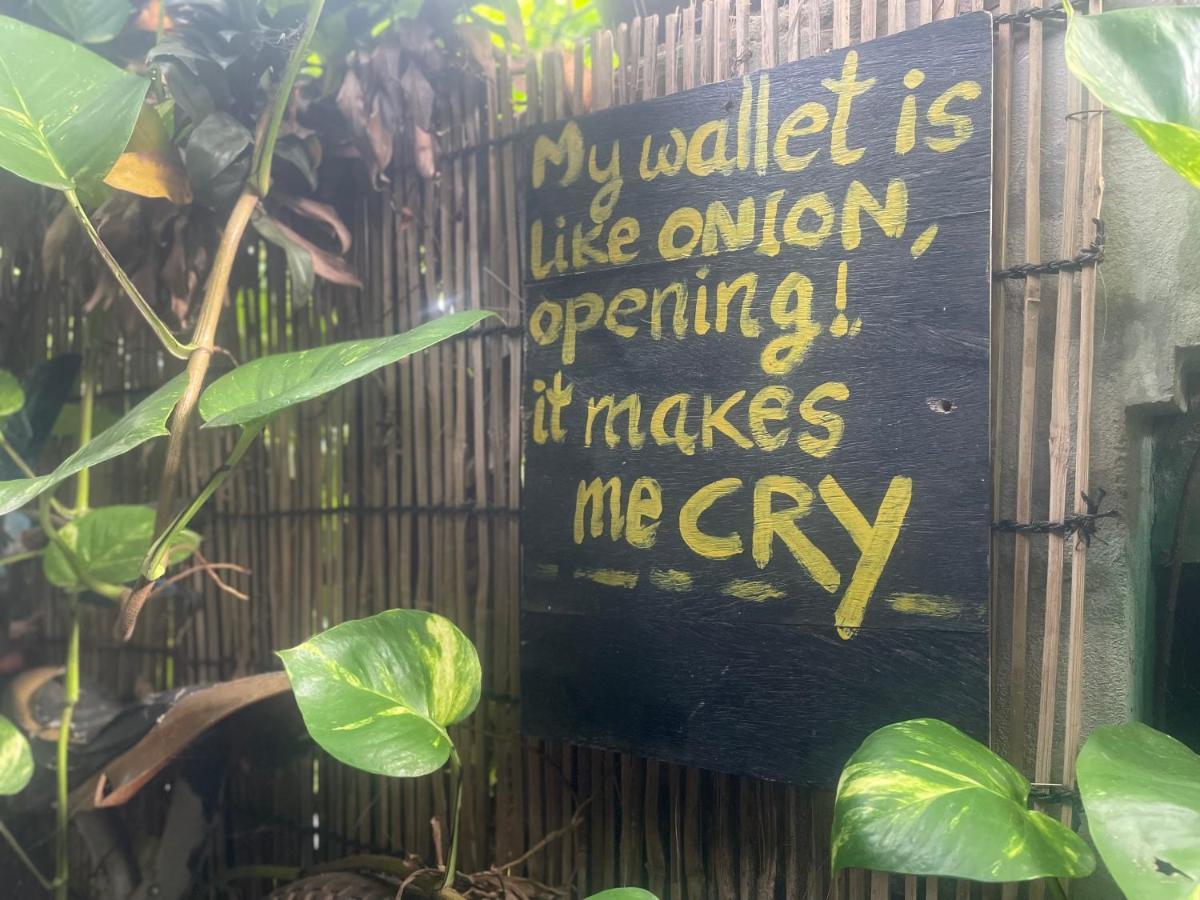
{"type": "Point", "coordinates": [404, 490]}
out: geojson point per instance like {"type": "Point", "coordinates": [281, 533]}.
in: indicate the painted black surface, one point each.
{"type": "Point", "coordinates": [768, 687]}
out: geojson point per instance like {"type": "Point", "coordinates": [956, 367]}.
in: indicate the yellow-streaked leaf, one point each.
{"type": "Point", "coordinates": [922, 798]}
{"type": "Point", "coordinates": [378, 693]}
{"type": "Point", "coordinates": [16, 761]}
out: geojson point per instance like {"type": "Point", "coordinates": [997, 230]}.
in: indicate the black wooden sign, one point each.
{"type": "Point", "coordinates": [756, 506]}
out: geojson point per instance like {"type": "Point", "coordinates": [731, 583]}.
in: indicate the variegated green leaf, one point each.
{"type": "Point", "coordinates": [12, 397]}
{"type": "Point", "coordinates": [379, 693]}
{"type": "Point", "coordinates": [270, 384]}
{"type": "Point", "coordinates": [920, 797]}
{"type": "Point", "coordinates": [16, 762]}
{"type": "Point", "coordinates": [1141, 790]}
{"type": "Point", "coordinates": [1144, 65]}
{"type": "Point", "coordinates": [65, 113]}
{"type": "Point", "coordinates": [145, 421]}
{"type": "Point", "coordinates": [110, 542]}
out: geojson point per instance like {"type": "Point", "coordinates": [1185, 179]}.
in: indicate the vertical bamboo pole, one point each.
{"type": "Point", "coordinates": [1027, 411]}
{"type": "Point", "coordinates": [1093, 195]}
{"type": "Point", "coordinates": [1060, 443]}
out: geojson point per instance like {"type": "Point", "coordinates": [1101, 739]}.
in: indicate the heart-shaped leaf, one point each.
{"type": "Point", "coordinates": [379, 693]}
{"type": "Point", "coordinates": [110, 542]}
{"type": "Point", "coordinates": [88, 21]}
{"type": "Point", "coordinates": [1144, 65]}
{"type": "Point", "coordinates": [16, 762]}
{"type": "Point", "coordinates": [12, 396]}
{"type": "Point", "coordinates": [273, 383]}
{"type": "Point", "coordinates": [65, 113]}
{"type": "Point", "coordinates": [920, 797]}
{"type": "Point", "coordinates": [1141, 790]}
{"type": "Point", "coordinates": [145, 421]}
{"type": "Point", "coordinates": [623, 893]}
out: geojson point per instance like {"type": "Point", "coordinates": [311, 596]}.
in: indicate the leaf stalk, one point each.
{"type": "Point", "coordinates": [170, 343]}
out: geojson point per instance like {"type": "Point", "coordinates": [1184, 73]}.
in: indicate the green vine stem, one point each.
{"type": "Point", "coordinates": [20, 557]}
{"type": "Point", "coordinates": [456, 773]}
{"type": "Point", "coordinates": [155, 563]}
{"type": "Point", "coordinates": [16, 457]}
{"type": "Point", "coordinates": [87, 415]}
{"type": "Point", "coordinates": [169, 341]}
{"type": "Point", "coordinates": [260, 165]}
{"type": "Point", "coordinates": [45, 882]}
{"type": "Point", "coordinates": [62, 832]}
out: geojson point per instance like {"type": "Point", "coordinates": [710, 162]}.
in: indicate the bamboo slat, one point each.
{"type": "Point", "coordinates": [1027, 412]}
{"type": "Point", "coordinates": [1060, 442]}
{"type": "Point", "coordinates": [1093, 195]}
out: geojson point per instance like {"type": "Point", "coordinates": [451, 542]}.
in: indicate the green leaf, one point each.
{"type": "Point", "coordinates": [1141, 790]}
{"type": "Point", "coordinates": [65, 113]}
{"type": "Point", "coordinates": [217, 158]}
{"type": "Point", "coordinates": [88, 21]}
{"type": "Point", "coordinates": [273, 383]}
{"type": "Point", "coordinates": [1144, 65]}
{"type": "Point", "coordinates": [623, 893]}
{"type": "Point", "coordinates": [145, 421]}
{"type": "Point", "coordinates": [110, 542]}
{"type": "Point", "coordinates": [12, 397]}
{"type": "Point", "coordinates": [922, 798]}
{"type": "Point", "coordinates": [16, 762]}
{"type": "Point", "coordinates": [379, 693]}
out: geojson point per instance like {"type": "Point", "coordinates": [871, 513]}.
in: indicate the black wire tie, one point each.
{"type": "Point", "coordinates": [1090, 255]}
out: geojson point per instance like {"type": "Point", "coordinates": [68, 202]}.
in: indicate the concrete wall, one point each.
{"type": "Point", "coordinates": [1147, 344]}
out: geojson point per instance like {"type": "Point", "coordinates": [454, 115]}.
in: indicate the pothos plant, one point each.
{"type": "Point", "coordinates": [381, 693]}
{"type": "Point", "coordinates": [922, 798]}
{"type": "Point", "coordinates": [71, 121]}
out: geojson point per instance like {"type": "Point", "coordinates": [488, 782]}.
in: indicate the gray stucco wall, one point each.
{"type": "Point", "coordinates": [1147, 343]}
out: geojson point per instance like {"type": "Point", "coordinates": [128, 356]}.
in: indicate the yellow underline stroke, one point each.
{"type": "Point", "coordinates": [610, 577]}
{"type": "Point", "coordinates": [745, 589]}
{"type": "Point", "coordinates": [670, 579]}
{"type": "Point", "coordinates": [925, 605]}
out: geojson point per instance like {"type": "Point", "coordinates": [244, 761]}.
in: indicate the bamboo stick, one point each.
{"type": "Point", "coordinates": [1093, 195]}
{"type": "Point", "coordinates": [1028, 403]}
{"type": "Point", "coordinates": [1060, 443]}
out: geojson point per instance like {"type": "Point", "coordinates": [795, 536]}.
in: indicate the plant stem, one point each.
{"type": "Point", "coordinates": [169, 341]}
{"type": "Point", "coordinates": [45, 882]}
{"type": "Point", "coordinates": [215, 290]}
{"type": "Point", "coordinates": [16, 457]}
{"type": "Point", "coordinates": [87, 405]}
{"type": "Point", "coordinates": [452, 861]}
{"type": "Point", "coordinates": [20, 557]}
{"type": "Point", "coordinates": [62, 862]}
{"type": "Point", "coordinates": [155, 563]}
{"type": "Point", "coordinates": [203, 341]}
{"type": "Point", "coordinates": [264, 150]}
{"type": "Point", "coordinates": [1056, 889]}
